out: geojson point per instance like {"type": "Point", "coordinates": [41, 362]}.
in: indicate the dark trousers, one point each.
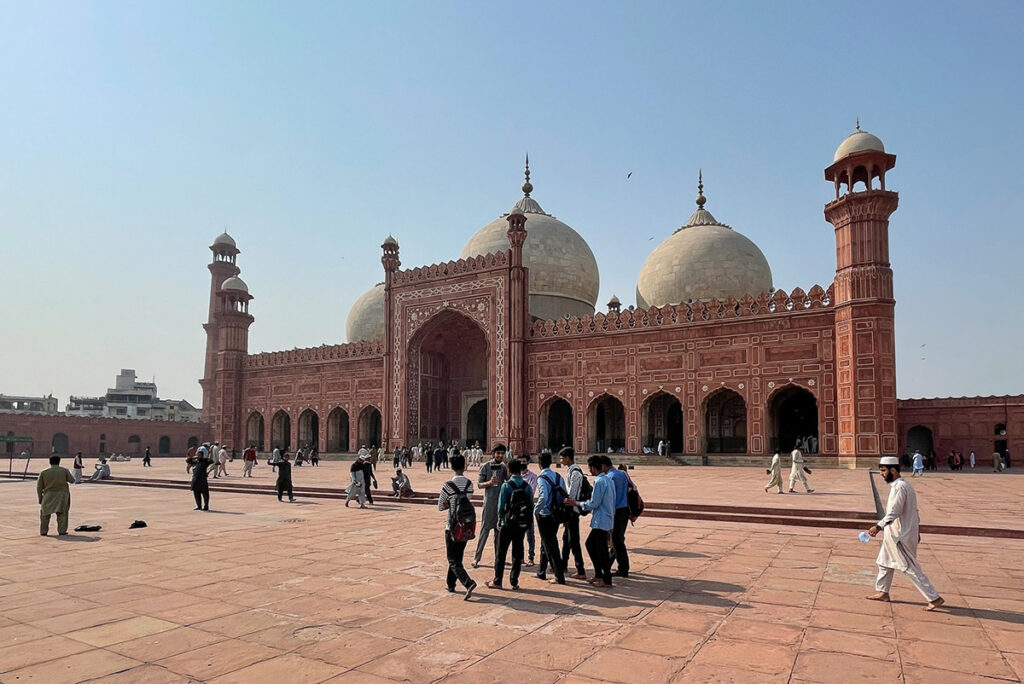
{"type": "Point", "coordinates": [430, 463]}
{"type": "Point", "coordinates": [597, 547]}
{"type": "Point", "coordinates": [571, 543]}
{"type": "Point", "coordinates": [509, 536]}
{"type": "Point", "coordinates": [548, 530]}
{"type": "Point", "coordinates": [456, 570]}
{"type": "Point", "coordinates": [619, 540]}
{"type": "Point", "coordinates": [202, 496]}
{"type": "Point", "coordinates": [283, 487]}
{"type": "Point", "coordinates": [531, 541]}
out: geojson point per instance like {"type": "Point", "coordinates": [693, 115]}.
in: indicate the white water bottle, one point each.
{"type": "Point", "coordinates": [864, 536]}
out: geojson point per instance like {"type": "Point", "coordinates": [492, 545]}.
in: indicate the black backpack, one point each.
{"type": "Point", "coordinates": [559, 511]}
{"type": "Point", "coordinates": [586, 489]}
{"type": "Point", "coordinates": [463, 527]}
{"type": "Point", "coordinates": [520, 508]}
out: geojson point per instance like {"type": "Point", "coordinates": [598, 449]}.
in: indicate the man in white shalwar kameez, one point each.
{"type": "Point", "coordinates": [901, 533]}
{"type": "Point", "coordinates": [796, 471]}
{"type": "Point", "coordinates": [776, 474]}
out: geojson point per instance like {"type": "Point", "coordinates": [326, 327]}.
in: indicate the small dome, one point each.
{"type": "Point", "coordinates": [225, 239]}
{"type": "Point", "coordinates": [702, 260]}
{"type": "Point", "coordinates": [234, 283]}
{"type": "Point", "coordinates": [859, 141]}
{"type": "Point", "coordinates": [366, 317]}
{"type": "Point", "coordinates": [564, 278]}
{"type": "Point", "coordinates": [390, 241]}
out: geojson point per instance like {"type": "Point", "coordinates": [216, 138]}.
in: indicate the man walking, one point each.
{"type": "Point", "coordinates": [222, 461]}
{"type": "Point", "coordinates": [530, 478]}
{"type": "Point", "coordinates": [215, 459]}
{"type": "Point", "coordinates": [54, 496]}
{"type": "Point", "coordinates": [621, 480]}
{"type": "Point", "coordinates": [515, 510]}
{"type": "Point", "coordinates": [775, 471]}
{"type": "Point", "coordinates": [571, 533]}
{"type": "Point", "coordinates": [77, 467]}
{"type": "Point", "coordinates": [368, 477]}
{"type": "Point", "coordinates": [550, 500]}
{"type": "Point", "coordinates": [275, 458]}
{"type": "Point", "coordinates": [284, 478]}
{"type": "Point", "coordinates": [248, 460]}
{"type": "Point", "coordinates": [454, 498]}
{"type": "Point", "coordinates": [901, 533]}
{"type": "Point", "coordinates": [490, 478]}
{"type": "Point", "coordinates": [796, 471]}
{"type": "Point", "coordinates": [602, 522]}
{"type": "Point", "coordinates": [918, 462]}
{"type": "Point", "coordinates": [147, 459]}
{"type": "Point", "coordinates": [200, 480]}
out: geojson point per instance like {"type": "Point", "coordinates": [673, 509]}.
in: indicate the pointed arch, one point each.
{"type": "Point", "coordinates": [255, 429]}
{"type": "Point", "coordinates": [661, 419]}
{"type": "Point", "coordinates": [919, 438]}
{"type": "Point", "coordinates": [725, 422]}
{"type": "Point", "coordinates": [369, 427]}
{"type": "Point", "coordinates": [309, 429]}
{"type": "Point", "coordinates": [134, 444]}
{"type": "Point", "coordinates": [281, 430]}
{"type": "Point", "coordinates": [792, 412]}
{"type": "Point", "coordinates": [556, 423]}
{"type": "Point", "coordinates": [59, 444]}
{"type": "Point", "coordinates": [338, 431]}
{"type": "Point", "coordinates": [163, 445]}
{"type": "Point", "coordinates": [606, 424]}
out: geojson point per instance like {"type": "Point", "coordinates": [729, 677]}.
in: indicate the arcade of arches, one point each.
{"type": "Point", "coordinates": [448, 381]}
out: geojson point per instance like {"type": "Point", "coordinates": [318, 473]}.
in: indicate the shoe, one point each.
{"type": "Point", "coordinates": [44, 534]}
{"type": "Point", "coordinates": [580, 576]}
{"type": "Point", "coordinates": [491, 585]}
{"type": "Point", "coordinates": [197, 508]}
{"type": "Point", "coordinates": [515, 587]}
{"type": "Point", "coordinates": [622, 574]}
{"type": "Point", "coordinates": [791, 491]}
{"type": "Point", "coordinates": [451, 590]}
{"type": "Point", "coordinates": [555, 581]}
{"type": "Point", "coordinates": [476, 564]}
{"type": "Point", "coordinates": [529, 564]}
{"type": "Point", "coordinates": [810, 491]}
{"type": "Point", "coordinates": [64, 534]}
{"type": "Point", "coordinates": [469, 591]}
{"type": "Point", "coordinates": [206, 508]}
{"type": "Point", "coordinates": [291, 500]}
{"type": "Point", "coordinates": [541, 577]}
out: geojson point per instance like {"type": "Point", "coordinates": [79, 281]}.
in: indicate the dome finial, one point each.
{"type": "Point", "coordinates": [527, 186]}
{"type": "Point", "coordinates": [700, 189]}
{"type": "Point", "coordinates": [858, 123]}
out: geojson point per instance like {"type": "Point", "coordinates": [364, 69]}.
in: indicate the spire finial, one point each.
{"type": "Point", "coordinates": [858, 123]}
{"type": "Point", "coordinates": [527, 186]}
{"type": "Point", "coordinates": [700, 189]}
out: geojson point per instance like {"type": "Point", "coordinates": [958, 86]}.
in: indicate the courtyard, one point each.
{"type": "Point", "coordinates": [257, 590]}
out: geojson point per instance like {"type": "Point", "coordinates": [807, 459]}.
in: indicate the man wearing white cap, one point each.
{"type": "Point", "coordinates": [901, 533]}
{"type": "Point", "coordinates": [796, 471]}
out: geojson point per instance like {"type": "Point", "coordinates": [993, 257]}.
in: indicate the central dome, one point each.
{"type": "Point", "coordinates": [564, 280]}
{"type": "Point", "coordinates": [702, 260]}
{"type": "Point", "coordinates": [366, 317]}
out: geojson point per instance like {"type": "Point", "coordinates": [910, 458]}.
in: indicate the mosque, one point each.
{"type": "Point", "coordinates": [504, 344]}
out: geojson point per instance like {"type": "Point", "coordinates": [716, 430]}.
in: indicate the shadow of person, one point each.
{"type": "Point", "coordinates": [77, 538]}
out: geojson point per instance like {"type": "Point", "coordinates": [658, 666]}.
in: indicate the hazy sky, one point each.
{"type": "Point", "coordinates": [131, 134]}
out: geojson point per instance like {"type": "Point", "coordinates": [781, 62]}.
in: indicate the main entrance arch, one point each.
{"type": "Point", "coordinates": [448, 380]}
{"type": "Point", "coordinates": [919, 438]}
{"type": "Point", "coordinates": [556, 424]}
{"type": "Point", "coordinates": [337, 431]}
{"type": "Point", "coordinates": [661, 418]}
{"type": "Point", "coordinates": [281, 430]}
{"type": "Point", "coordinates": [793, 420]}
{"type": "Point", "coordinates": [725, 423]}
{"type": "Point", "coordinates": [254, 427]}
{"type": "Point", "coordinates": [606, 425]}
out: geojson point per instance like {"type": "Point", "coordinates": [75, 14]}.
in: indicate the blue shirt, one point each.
{"type": "Point", "coordinates": [602, 503]}
{"type": "Point", "coordinates": [621, 481]}
{"type": "Point", "coordinates": [545, 492]}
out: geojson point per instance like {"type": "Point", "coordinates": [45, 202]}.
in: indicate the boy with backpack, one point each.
{"type": "Point", "coordinates": [515, 513]}
{"type": "Point", "coordinates": [551, 512]}
{"type": "Point", "coordinates": [461, 524]}
{"type": "Point", "coordinates": [579, 489]}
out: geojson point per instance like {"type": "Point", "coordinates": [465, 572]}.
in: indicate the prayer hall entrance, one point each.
{"type": "Point", "coordinates": [725, 423]}
{"type": "Point", "coordinates": [606, 425]}
{"type": "Point", "coordinates": [662, 420]}
{"type": "Point", "coordinates": [793, 420]}
{"type": "Point", "coordinates": [448, 381]}
{"type": "Point", "coordinates": [919, 438]}
{"type": "Point", "coordinates": [555, 424]}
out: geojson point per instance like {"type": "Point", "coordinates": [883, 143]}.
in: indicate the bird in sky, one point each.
{"type": "Point", "coordinates": [628, 175]}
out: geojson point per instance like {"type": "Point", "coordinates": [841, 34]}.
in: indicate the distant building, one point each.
{"type": "Point", "coordinates": [130, 398]}
{"type": "Point", "coordinates": [41, 405]}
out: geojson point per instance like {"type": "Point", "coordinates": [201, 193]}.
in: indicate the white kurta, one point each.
{"type": "Point", "coordinates": [901, 532]}
{"type": "Point", "coordinates": [796, 471]}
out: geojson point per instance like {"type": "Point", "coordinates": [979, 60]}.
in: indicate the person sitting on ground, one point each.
{"type": "Point", "coordinates": [400, 484]}
{"type": "Point", "coordinates": [101, 472]}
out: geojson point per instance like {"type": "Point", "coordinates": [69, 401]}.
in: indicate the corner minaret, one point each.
{"type": "Point", "coordinates": [864, 306]}
{"type": "Point", "coordinates": [221, 268]}
{"type": "Point", "coordinates": [390, 437]}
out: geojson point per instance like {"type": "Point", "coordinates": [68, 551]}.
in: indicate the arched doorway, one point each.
{"type": "Point", "coordinates": [725, 423]}
{"type": "Point", "coordinates": [134, 444]}
{"type": "Point", "coordinates": [793, 420]}
{"type": "Point", "coordinates": [662, 419]}
{"type": "Point", "coordinates": [606, 425]}
{"type": "Point", "coordinates": [369, 427]}
{"type": "Point", "coordinates": [919, 438]}
{"type": "Point", "coordinates": [254, 426]}
{"type": "Point", "coordinates": [556, 420]}
{"type": "Point", "coordinates": [192, 442]}
{"type": "Point", "coordinates": [447, 375]}
{"type": "Point", "coordinates": [476, 424]}
{"type": "Point", "coordinates": [163, 446]}
{"type": "Point", "coordinates": [59, 444]}
{"type": "Point", "coordinates": [309, 429]}
{"type": "Point", "coordinates": [281, 431]}
{"type": "Point", "coordinates": [337, 431]}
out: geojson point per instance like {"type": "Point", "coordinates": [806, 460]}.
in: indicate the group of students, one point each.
{"type": "Point", "coordinates": [511, 506]}
{"type": "Point", "coordinates": [201, 463]}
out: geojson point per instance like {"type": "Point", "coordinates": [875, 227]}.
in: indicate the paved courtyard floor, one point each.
{"type": "Point", "coordinates": [261, 591]}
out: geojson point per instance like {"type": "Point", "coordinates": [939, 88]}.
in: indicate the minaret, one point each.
{"type": "Point", "coordinates": [232, 321]}
{"type": "Point", "coordinates": [389, 433]}
{"type": "Point", "coordinates": [518, 312]}
{"type": "Point", "coordinates": [221, 268]}
{"type": "Point", "coordinates": [864, 332]}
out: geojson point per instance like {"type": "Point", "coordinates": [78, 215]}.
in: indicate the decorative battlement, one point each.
{"type": "Point", "coordinates": [963, 402]}
{"type": "Point", "coordinates": [448, 269]}
{"type": "Point", "coordinates": [325, 352]}
{"type": "Point", "coordinates": [764, 304]}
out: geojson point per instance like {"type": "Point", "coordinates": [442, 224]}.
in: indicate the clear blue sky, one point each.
{"type": "Point", "coordinates": [133, 133]}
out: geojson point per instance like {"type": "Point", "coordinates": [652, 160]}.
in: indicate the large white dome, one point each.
{"type": "Point", "coordinates": [702, 260]}
{"type": "Point", "coordinates": [366, 317]}
{"type": "Point", "coordinates": [564, 278]}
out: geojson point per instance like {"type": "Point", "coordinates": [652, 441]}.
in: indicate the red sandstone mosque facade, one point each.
{"type": "Point", "coordinates": [504, 345]}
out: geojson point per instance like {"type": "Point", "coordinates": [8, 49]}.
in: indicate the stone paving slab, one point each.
{"type": "Point", "coordinates": [257, 590]}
